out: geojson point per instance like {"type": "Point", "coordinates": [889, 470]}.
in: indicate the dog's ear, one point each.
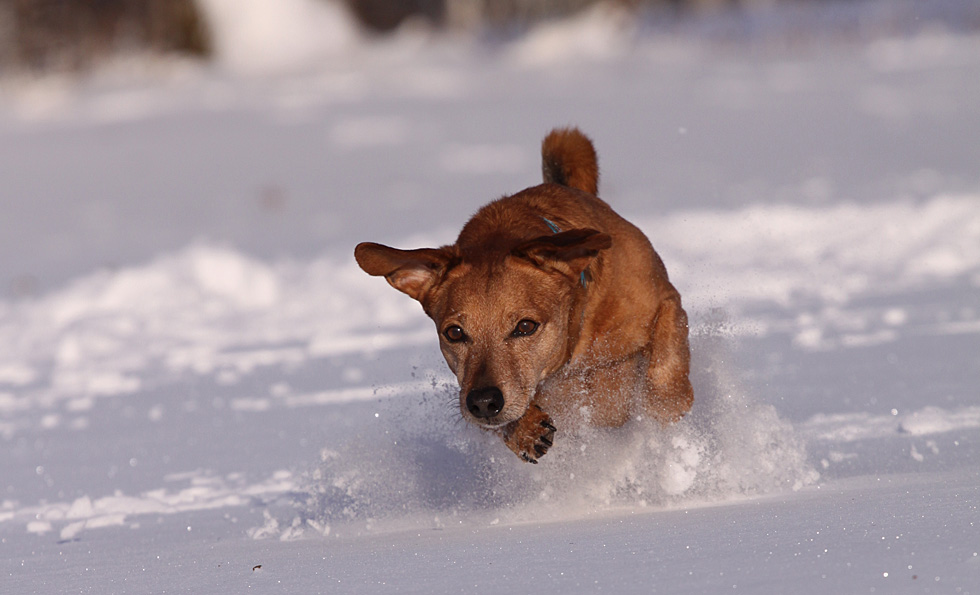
{"type": "Point", "coordinates": [568, 252]}
{"type": "Point", "coordinates": [412, 272]}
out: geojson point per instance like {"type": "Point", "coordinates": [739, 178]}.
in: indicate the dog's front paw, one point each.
{"type": "Point", "coordinates": [531, 436]}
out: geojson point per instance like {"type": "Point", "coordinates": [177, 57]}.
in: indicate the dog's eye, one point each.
{"type": "Point", "coordinates": [524, 328]}
{"type": "Point", "coordinates": [454, 334]}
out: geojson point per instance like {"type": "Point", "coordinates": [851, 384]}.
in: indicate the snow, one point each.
{"type": "Point", "coordinates": [201, 392]}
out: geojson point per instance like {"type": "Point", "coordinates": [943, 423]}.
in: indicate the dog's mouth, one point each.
{"type": "Point", "coordinates": [488, 424]}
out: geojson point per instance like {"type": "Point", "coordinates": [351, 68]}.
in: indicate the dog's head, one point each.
{"type": "Point", "coordinates": [507, 317]}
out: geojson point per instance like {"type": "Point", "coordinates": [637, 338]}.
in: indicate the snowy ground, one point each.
{"type": "Point", "coordinates": [200, 392]}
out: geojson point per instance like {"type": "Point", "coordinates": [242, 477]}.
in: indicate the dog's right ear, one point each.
{"type": "Point", "coordinates": [412, 272]}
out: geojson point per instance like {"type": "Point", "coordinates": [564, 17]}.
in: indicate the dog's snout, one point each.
{"type": "Point", "coordinates": [484, 403]}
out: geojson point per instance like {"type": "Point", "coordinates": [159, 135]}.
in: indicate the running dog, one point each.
{"type": "Point", "coordinates": [551, 309]}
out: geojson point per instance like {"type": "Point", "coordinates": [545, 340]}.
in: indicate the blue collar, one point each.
{"type": "Point", "coordinates": [555, 229]}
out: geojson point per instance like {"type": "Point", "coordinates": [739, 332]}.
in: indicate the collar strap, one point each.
{"type": "Point", "coordinates": [551, 225]}
{"type": "Point", "coordinates": [555, 229]}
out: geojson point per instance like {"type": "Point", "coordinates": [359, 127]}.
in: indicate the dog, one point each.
{"type": "Point", "coordinates": [551, 309]}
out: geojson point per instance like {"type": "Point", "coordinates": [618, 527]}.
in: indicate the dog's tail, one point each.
{"type": "Point", "coordinates": [568, 158]}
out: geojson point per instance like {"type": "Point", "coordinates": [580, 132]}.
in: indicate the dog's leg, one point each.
{"type": "Point", "coordinates": [531, 436]}
{"type": "Point", "coordinates": [669, 391]}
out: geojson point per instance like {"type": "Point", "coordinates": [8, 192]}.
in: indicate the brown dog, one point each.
{"type": "Point", "coordinates": [550, 306]}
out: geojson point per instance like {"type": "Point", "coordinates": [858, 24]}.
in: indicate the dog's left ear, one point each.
{"type": "Point", "coordinates": [568, 252]}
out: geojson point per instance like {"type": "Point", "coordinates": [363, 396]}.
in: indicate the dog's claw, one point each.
{"type": "Point", "coordinates": [531, 436]}
{"type": "Point", "coordinates": [543, 443]}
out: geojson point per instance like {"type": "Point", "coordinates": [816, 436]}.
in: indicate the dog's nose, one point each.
{"type": "Point", "coordinates": [485, 402]}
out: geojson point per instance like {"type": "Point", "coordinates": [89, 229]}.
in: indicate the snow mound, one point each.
{"type": "Point", "coordinates": [788, 253]}
{"type": "Point", "coordinates": [206, 311]}
{"type": "Point", "coordinates": [933, 420]}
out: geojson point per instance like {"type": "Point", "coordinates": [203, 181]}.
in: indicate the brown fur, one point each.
{"type": "Point", "coordinates": [550, 307]}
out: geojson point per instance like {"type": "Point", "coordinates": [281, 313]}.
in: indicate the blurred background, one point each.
{"type": "Point", "coordinates": [60, 35]}
{"type": "Point", "coordinates": [296, 128]}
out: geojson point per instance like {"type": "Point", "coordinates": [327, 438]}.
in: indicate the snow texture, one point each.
{"type": "Point", "coordinates": [201, 392]}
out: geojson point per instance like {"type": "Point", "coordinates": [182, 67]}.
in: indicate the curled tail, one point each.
{"type": "Point", "coordinates": [568, 158]}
